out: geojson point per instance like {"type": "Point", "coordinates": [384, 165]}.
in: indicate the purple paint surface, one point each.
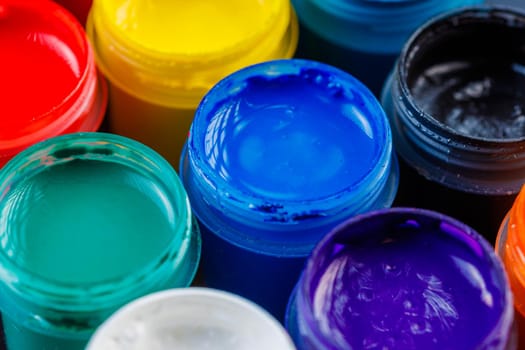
{"type": "Point", "coordinates": [405, 279]}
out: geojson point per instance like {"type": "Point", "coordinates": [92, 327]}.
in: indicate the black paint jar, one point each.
{"type": "Point", "coordinates": [456, 103]}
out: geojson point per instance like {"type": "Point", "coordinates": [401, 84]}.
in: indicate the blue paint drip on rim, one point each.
{"type": "Point", "coordinates": [285, 150]}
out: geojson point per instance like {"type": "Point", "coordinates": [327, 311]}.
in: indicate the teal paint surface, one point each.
{"type": "Point", "coordinates": [87, 222]}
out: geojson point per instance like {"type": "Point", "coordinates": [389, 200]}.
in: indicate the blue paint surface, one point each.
{"type": "Point", "coordinates": [292, 137]}
{"type": "Point", "coordinates": [406, 279]}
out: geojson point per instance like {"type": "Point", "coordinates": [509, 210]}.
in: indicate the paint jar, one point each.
{"type": "Point", "coordinates": [90, 221]}
{"type": "Point", "coordinates": [363, 37]}
{"type": "Point", "coordinates": [457, 110]}
{"type": "Point", "coordinates": [402, 278]}
{"type": "Point", "coordinates": [278, 154]}
{"type": "Point", "coordinates": [188, 319]}
{"type": "Point", "coordinates": [79, 8]}
{"type": "Point", "coordinates": [162, 57]}
{"type": "Point", "coordinates": [50, 84]}
{"type": "Point", "coordinates": [510, 246]}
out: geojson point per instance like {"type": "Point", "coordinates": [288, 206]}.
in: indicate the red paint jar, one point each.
{"type": "Point", "coordinates": [50, 85]}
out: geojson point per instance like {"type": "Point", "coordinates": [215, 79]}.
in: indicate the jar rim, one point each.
{"type": "Point", "coordinates": [103, 147]}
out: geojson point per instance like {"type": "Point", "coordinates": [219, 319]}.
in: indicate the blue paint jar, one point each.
{"type": "Point", "coordinates": [278, 154]}
{"type": "Point", "coordinates": [363, 37]}
{"type": "Point", "coordinates": [402, 278]}
{"type": "Point", "coordinates": [457, 110]}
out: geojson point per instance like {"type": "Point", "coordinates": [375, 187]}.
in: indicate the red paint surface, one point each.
{"type": "Point", "coordinates": [42, 60]}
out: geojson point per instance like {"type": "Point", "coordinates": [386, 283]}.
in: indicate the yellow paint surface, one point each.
{"type": "Point", "coordinates": [191, 27]}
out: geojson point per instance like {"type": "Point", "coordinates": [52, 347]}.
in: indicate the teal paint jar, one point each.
{"type": "Point", "coordinates": [363, 37]}
{"type": "Point", "coordinates": [90, 222]}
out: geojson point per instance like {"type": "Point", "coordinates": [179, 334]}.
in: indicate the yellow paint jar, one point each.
{"type": "Point", "coordinates": [161, 56]}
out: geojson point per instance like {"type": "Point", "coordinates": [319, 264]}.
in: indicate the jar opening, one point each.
{"type": "Point", "coordinates": [378, 27]}
{"type": "Point", "coordinates": [466, 72]}
{"type": "Point", "coordinates": [434, 83]}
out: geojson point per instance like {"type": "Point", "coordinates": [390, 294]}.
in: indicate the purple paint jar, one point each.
{"type": "Point", "coordinates": [402, 278]}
